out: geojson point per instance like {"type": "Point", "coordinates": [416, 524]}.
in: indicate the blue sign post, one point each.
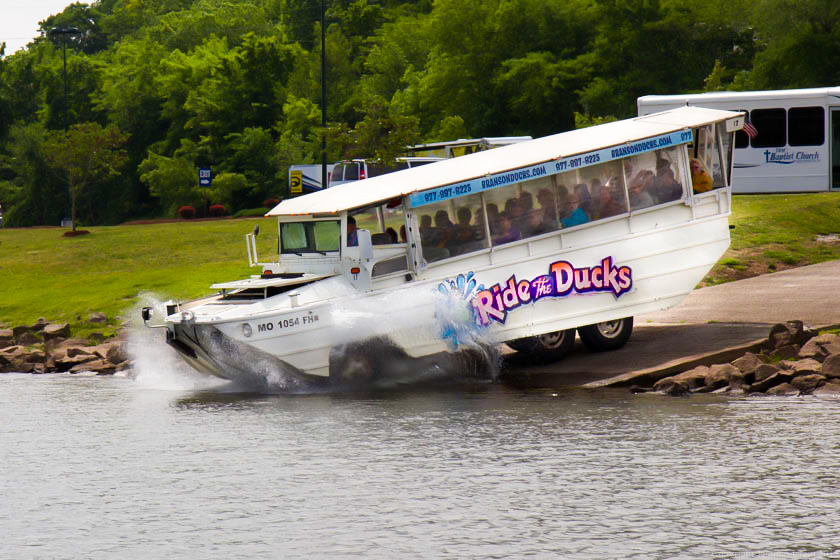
{"type": "Point", "coordinates": [205, 176]}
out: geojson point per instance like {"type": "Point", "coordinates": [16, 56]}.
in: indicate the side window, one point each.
{"type": "Point", "coordinates": [327, 235]}
{"type": "Point", "coordinates": [452, 228]}
{"type": "Point", "coordinates": [293, 237]}
{"type": "Point", "coordinates": [806, 126]}
{"type": "Point", "coordinates": [503, 214]}
{"type": "Point", "coordinates": [770, 124]}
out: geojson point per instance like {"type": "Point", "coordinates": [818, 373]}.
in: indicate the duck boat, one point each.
{"type": "Point", "coordinates": [527, 244]}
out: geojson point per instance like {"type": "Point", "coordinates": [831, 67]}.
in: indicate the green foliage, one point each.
{"type": "Point", "coordinates": [86, 154]}
{"type": "Point", "coordinates": [235, 84]}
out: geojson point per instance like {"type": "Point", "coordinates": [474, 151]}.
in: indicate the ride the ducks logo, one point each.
{"type": "Point", "coordinates": [494, 303]}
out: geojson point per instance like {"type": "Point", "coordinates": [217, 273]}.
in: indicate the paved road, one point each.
{"type": "Point", "coordinates": [701, 329]}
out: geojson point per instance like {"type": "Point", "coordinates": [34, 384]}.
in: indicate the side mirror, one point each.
{"type": "Point", "coordinates": [365, 244]}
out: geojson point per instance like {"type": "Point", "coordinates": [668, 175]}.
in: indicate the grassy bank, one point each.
{"type": "Point", "coordinates": [43, 274]}
{"type": "Point", "coordinates": [777, 232]}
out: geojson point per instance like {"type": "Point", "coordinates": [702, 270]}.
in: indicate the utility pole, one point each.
{"type": "Point", "coordinates": [65, 32]}
{"type": "Point", "coordinates": [323, 97]}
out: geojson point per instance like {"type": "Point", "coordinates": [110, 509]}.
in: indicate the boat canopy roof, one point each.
{"type": "Point", "coordinates": [359, 194]}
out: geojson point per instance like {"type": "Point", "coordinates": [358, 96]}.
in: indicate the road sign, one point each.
{"type": "Point", "coordinates": [296, 182]}
{"type": "Point", "coordinates": [205, 176]}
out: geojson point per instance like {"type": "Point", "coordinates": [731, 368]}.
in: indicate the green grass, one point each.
{"type": "Point", "coordinates": [64, 279]}
{"type": "Point", "coordinates": [775, 232]}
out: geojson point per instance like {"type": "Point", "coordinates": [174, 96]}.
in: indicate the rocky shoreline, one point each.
{"type": "Point", "coordinates": [795, 360]}
{"type": "Point", "coordinates": [48, 348]}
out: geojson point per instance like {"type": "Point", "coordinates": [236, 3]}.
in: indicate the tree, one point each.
{"type": "Point", "coordinates": [87, 153]}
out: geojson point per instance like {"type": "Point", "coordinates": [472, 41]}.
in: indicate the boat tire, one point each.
{"type": "Point", "coordinates": [548, 347]}
{"type": "Point", "coordinates": [606, 336]}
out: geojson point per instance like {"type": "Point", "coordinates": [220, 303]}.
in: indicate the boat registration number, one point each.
{"type": "Point", "coordinates": [288, 323]}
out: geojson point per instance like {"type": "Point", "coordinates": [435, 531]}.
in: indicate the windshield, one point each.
{"type": "Point", "coordinates": [310, 237]}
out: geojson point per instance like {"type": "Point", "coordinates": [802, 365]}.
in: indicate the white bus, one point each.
{"type": "Point", "coordinates": [797, 145]}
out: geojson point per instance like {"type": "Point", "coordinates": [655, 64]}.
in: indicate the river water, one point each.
{"type": "Point", "coordinates": [160, 465]}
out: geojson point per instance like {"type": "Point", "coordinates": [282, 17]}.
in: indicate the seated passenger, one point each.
{"type": "Point", "coordinates": [610, 204]}
{"type": "Point", "coordinates": [505, 232]}
{"type": "Point", "coordinates": [700, 180]}
{"type": "Point", "coordinates": [392, 234]}
{"type": "Point", "coordinates": [445, 228]}
{"type": "Point", "coordinates": [585, 199]}
{"type": "Point", "coordinates": [577, 215]}
{"type": "Point", "coordinates": [639, 195]}
{"type": "Point", "coordinates": [595, 188]}
{"type": "Point", "coordinates": [464, 231]}
{"type": "Point", "coordinates": [665, 185]}
{"type": "Point", "coordinates": [548, 211]}
{"type": "Point", "coordinates": [403, 238]}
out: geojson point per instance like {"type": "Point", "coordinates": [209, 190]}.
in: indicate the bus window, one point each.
{"type": "Point", "coordinates": [452, 228]}
{"type": "Point", "coordinates": [806, 126]}
{"type": "Point", "coordinates": [640, 173]}
{"type": "Point", "coordinates": [537, 207]}
{"type": "Point", "coordinates": [770, 124]}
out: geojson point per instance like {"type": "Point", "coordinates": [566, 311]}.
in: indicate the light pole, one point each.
{"type": "Point", "coordinates": [65, 32]}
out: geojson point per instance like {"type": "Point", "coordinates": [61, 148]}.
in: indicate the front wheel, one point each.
{"type": "Point", "coordinates": [606, 336]}
{"type": "Point", "coordinates": [548, 347]}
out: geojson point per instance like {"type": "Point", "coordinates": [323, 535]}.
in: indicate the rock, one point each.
{"type": "Point", "coordinates": [74, 351]}
{"type": "Point", "coordinates": [39, 325]}
{"type": "Point", "coordinates": [98, 318]}
{"type": "Point", "coordinates": [781, 376]}
{"type": "Point", "coordinates": [829, 390]}
{"type": "Point", "coordinates": [748, 362]}
{"type": "Point", "coordinates": [720, 374]}
{"type": "Point", "coordinates": [831, 367]}
{"type": "Point", "coordinates": [783, 390]}
{"type": "Point", "coordinates": [54, 331]}
{"type": "Point", "coordinates": [97, 337]}
{"type": "Point", "coordinates": [7, 338]}
{"type": "Point", "coordinates": [807, 383]}
{"type": "Point", "coordinates": [789, 352]}
{"type": "Point", "coordinates": [671, 386]}
{"type": "Point", "coordinates": [18, 331]}
{"type": "Point", "coordinates": [117, 353]}
{"type": "Point", "coordinates": [820, 347]}
{"type": "Point", "coordinates": [95, 365]}
{"type": "Point", "coordinates": [36, 357]}
{"type": "Point", "coordinates": [788, 334]}
{"type": "Point", "coordinates": [694, 378]}
{"type": "Point", "coordinates": [68, 363]}
{"type": "Point", "coordinates": [806, 367]}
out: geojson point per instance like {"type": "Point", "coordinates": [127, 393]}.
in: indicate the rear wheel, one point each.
{"type": "Point", "coordinates": [606, 336]}
{"type": "Point", "coordinates": [548, 347]}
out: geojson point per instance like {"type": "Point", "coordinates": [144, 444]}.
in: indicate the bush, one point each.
{"type": "Point", "coordinates": [272, 202]}
{"type": "Point", "coordinates": [216, 210]}
{"type": "Point", "coordinates": [186, 212]}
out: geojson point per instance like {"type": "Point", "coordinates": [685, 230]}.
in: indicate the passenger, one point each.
{"type": "Point", "coordinates": [352, 234]}
{"type": "Point", "coordinates": [563, 208]}
{"type": "Point", "coordinates": [595, 188]}
{"type": "Point", "coordinates": [584, 199]}
{"type": "Point", "coordinates": [639, 195]}
{"type": "Point", "coordinates": [392, 233]}
{"type": "Point", "coordinates": [530, 218]}
{"type": "Point", "coordinates": [403, 237]}
{"type": "Point", "coordinates": [578, 215]}
{"type": "Point", "coordinates": [609, 202]}
{"type": "Point", "coordinates": [445, 229]}
{"type": "Point", "coordinates": [665, 185]}
{"type": "Point", "coordinates": [505, 232]}
{"type": "Point", "coordinates": [548, 211]}
{"type": "Point", "coordinates": [513, 213]}
{"type": "Point", "coordinates": [464, 231]}
{"type": "Point", "coordinates": [700, 180]}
